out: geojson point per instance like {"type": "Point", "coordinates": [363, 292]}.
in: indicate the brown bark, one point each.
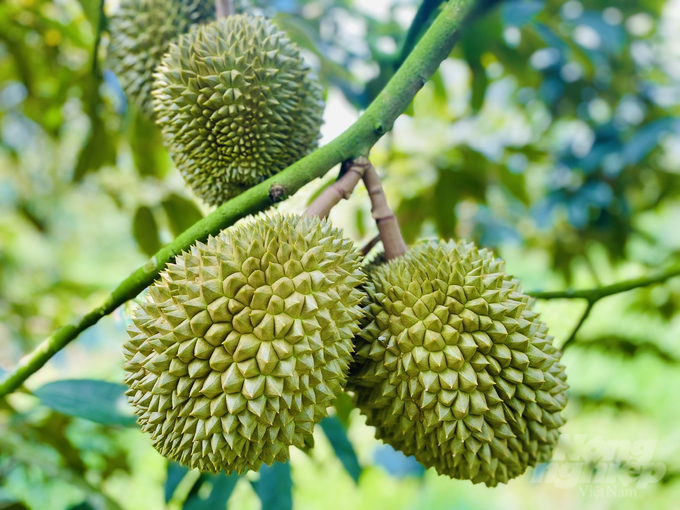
{"type": "Point", "coordinates": [351, 173]}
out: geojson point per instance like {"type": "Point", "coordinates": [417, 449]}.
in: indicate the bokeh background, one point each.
{"type": "Point", "coordinates": [551, 134]}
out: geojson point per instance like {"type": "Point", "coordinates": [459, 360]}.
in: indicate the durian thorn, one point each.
{"type": "Point", "coordinates": [224, 8]}
{"type": "Point", "coordinates": [350, 174]}
{"type": "Point", "coordinates": [387, 222]}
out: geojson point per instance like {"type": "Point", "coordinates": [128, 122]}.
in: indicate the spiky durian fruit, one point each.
{"type": "Point", "coordinates": [141, 31]}
{"type": "Point", "coordinates": [455, 368]}
{"type": "Point", "coordinates": [244, 342]}
{"type": "Point", "coordinates": [236, 104]}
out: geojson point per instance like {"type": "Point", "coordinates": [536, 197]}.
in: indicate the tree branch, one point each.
{"type": "Point", "coordinates": [572, 337]}
{"type": "Point", "coordinates": [356, 141]}
{"type": "Point", "coordinates": [609, 290]}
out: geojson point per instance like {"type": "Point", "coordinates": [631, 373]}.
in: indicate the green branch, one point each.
{"type": "Point", "coordinates": [609, 290]}
{"type": "Point", "coordinates": [592, 296]}
{"type": "Point", "coordinates": [378, 119]}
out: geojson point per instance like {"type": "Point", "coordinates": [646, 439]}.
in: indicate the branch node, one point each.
{"type": "Point", "coordinates": [277, 193]}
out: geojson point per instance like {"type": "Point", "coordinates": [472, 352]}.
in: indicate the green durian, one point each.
{"type": "Point", "coordinates": [453, 366]}
{"type": "Point", "coordinates": [244, 341]}
{"type": "Point", "coordinates": [140, 32]}
{"type": "Point", "coordinates": [236, 104]}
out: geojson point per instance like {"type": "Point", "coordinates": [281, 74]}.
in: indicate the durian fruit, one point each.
{"type": "Point", "coordinates": [141, 31]}
{"type": "Point", "coordinates": [236, 104]}
{"type": "Point", "coordinates": [454, 367]}
{"type": "Point", "coordinates": [244, 341]}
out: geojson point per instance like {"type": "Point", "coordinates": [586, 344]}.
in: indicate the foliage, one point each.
{"type": "Point", "coordinates": [550, 134]}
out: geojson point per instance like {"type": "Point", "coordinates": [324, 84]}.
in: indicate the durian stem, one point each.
{"type": "Point", "coordinates": [351, 173]}
{"type": "Point", "coordinates": [369, 245]}
{"type": "Point", "coordinates": [387, 222]}
{"type": "Point", "coordinates": [224, 8]}
{"type": "Point", "coordinates": [357, 140]}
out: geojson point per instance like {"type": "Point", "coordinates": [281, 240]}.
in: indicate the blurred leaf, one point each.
{"type": "Point", "coordinates": [520, 12]}
{"type": "Point", "coordinates": [92, 8]}
{"type": "Point", "coordinates": [145, 231]}
{"type": "Point", "coordinates": [396, 463]}
{"type": "Point", "coordinates": [343, 408]}
{"type": "Point", "coordinates": [222, 486]}
{"type": "Point", "coordinates": [101, 147]}
{"type": "Point", "coordinates": [175, 474]}
{"type": "Point", "coordinates": [99, 401]}
{"type": "Point", "coordinates": [182, 213]}
{"type": "Point", "coordinates": [596, 400]}
{"type": "Point", "coordinates": [82, 506]}
{"type": "Point", "coordinates": [150, 157]}
{"type": "Point", "coordinates": [275, 487]}
{"type": "Point", "coordinates": [646, 138]}
{"type": "Point", "coordinates": [626, 347]}
{"type": "Point", "coordinates": [336, 434]}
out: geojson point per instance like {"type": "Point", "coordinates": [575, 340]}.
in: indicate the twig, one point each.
{"type": "Point", "coordinates": [609, 290]}
{"type": "Point", "coordinates": [369, 246]}
{"type": "Point", "coordinates": [586, 313]}
{"type": "Point", "coordinates": [351, 173]}
{"type": "Point", "coordinates": [378, 119]}
{"type": "Point", "coordinates": [387, 223]}
{"type": "Point", "coordinates": [224, 8]}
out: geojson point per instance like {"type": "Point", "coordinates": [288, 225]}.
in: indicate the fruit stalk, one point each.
{"type": "Point", "coordinates": [224, 8]}
{"type": "Point", "coordinates": [387, 222]}
{"type": "Point", "coordinates": [351, 173]}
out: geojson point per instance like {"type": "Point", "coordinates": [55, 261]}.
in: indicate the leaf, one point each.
{"type": "Point", "coordinates": [519, 13]}
{"type": "Point", "coordinates": [176, 473]}
{"type": "Point", "coordinates": [145, 231]}
{"type": "Point", "coordinates": [182, 213]}
{"type": "Point", "coordinates": [397, 464]}
{"type": "Point", "coordinates": [92, 9]}
{"type": "Point", "coordinates": [99, 401]}
{"type": "Point", "coordinates": [275, 487]}
{"type": "Point", "coordinates": [221, 487]}
{"type": "Point", "coordinates": [150, 158]}
{"type": "Point", "coordinates": [343, 408]}
{"type": "Point", "coordinates": [336, 434]}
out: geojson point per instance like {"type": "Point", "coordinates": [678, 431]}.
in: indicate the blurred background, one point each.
{"type": "Point", "coordinates": [551, 134]}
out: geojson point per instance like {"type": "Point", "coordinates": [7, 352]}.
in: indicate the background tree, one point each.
{"type": "Point", "coordinates": [549, 134]}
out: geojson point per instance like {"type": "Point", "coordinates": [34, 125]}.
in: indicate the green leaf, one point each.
{"type": "Point", "coordinates": [150, 158]}
{"type": "Point", "coordinates": [99, 401]}
{"type": "Point", "coordinates": [275, 487]}
{"type": "Point", "coordinates": [145, 231]}
{"type": "Point", "coordinates": [337, 436]}
{"type": "Point", "coordinates": [343, 408]}
{"type": "Point", "coordinates": [176, 473]}
{"type": "Point", "coordinates": [220, 486]}
{"type": "Point", "coordinates": [182, 213]}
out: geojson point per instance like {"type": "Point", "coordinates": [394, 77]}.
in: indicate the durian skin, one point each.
{"type": "Point", "coordinates": [236, 104]}
{"type": "Point", "coordinates": [453, 366]}
{"type": "Point", "coordinates": [141, 31]}
{"type": "Point", "coordinates": [243, 342]}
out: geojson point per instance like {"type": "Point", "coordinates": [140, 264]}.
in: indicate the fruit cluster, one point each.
{"type": "Point", "coordinates": [244, 342]}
